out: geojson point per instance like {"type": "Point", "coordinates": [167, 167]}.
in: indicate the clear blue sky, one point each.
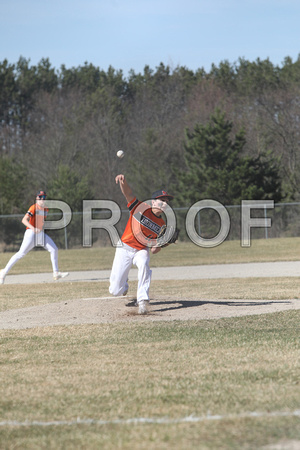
{"type": "Point", "coordinates": [129, 34]}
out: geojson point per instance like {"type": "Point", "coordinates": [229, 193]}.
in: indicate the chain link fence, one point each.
{"type": "Point", "coordinates": [280, 220]}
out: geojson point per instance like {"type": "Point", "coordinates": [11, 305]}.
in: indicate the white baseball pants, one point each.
{"type": "Point", "coordinates": [125, 256]}
{"type": "Point", "coordinates": [30, 241]}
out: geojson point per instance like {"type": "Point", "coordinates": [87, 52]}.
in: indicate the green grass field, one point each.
{"type": "Point", "coordinates": [206, 384]}
{"type": "Point", "coordinates": [183, 254]}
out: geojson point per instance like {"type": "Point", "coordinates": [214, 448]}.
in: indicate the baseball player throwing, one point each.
{"type": "Point", "coordinates": [144, 226]}
{"type": "Point", "coordinates": [34, 235]}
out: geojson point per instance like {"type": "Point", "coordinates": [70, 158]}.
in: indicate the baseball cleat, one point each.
{"type": "Point", "coordinates": [144, 307]}
{"type": "Point", "coordinates": [58, 275]}
{"type": "Point", "coordinates": [2, 276]}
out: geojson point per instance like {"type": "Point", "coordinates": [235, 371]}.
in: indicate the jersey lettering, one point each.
{"type": "Point", "coordinates": [147, 222]}
{"type": "Point", "coordinates": [142, 227]}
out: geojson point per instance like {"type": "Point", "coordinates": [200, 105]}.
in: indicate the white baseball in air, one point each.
{"type": "Point", "coordinates": [120, 154]}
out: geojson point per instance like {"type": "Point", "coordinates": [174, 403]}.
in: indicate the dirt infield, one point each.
{"type": "Point", "coordinates": [111, 309]}
{"type": "Point", "coordinates": [107, 309]}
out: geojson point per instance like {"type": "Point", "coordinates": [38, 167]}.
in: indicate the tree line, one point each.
{"type": "Point", "coordinates": [228, 134]}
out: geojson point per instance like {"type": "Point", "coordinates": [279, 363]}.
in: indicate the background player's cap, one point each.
{"type": "Point", "coordinates": [161, 193]}
{"type": "Point", "coordinates": [41, 195]}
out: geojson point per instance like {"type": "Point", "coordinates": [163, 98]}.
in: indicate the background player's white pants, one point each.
{"type": "Point", "coordinates": [30, 241]}
{"type": "Point", "coordinates": [125, 256]}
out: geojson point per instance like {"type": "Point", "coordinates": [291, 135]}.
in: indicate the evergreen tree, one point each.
{"type": "Point", "coordinates": [216, 168]}
{"type": "Point", "coordinates": [12, 193]}
{"type": "Point", "coordinates": [8, 92]}
{"type": "Point", "coordinates": [70, 188]}
{"type": "Point", "coordinates": [12, 186]}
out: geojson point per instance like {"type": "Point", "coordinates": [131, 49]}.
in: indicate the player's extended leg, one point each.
{"type": "Point", "coordinates": [141, 260]}
{"type": "Point", "coordinates": [53, 250]}
{"type": "Point", "coordinates": [51, 247]}
{"type": "Point", "coordinates": [27, 244]}
{"type": "Point", "coordinates": [120, 270]}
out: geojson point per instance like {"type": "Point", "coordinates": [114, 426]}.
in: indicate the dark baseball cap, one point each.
{"type": "Point", "coordinates": [161, 193]}
{"type": "Point", "coordinates": [41, 195]}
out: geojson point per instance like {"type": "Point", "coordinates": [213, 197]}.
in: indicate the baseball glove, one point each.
{"type": "Point", "coordinates": [167, 236]}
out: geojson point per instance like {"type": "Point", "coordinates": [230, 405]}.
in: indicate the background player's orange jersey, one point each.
{"type": "Point", "coordinates": [142, 226]}
{"type": "Point", "coordinates": [37, 216]}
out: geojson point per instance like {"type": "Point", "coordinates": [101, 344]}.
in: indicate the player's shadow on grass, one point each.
{"type": "Point", "coordinates": [179, 304]}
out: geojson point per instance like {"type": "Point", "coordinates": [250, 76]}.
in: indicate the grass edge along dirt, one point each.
{"type": "Point", "coordinates": [181, 254]}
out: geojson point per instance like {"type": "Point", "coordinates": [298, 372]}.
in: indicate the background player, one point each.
{"type": "Point", "coordinates": [34, 235]}
{"type": "Point", "coordinates": [142, 226]}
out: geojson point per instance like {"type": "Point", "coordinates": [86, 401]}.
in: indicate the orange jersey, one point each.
{"type": "Point", "coordinates": [143, 225]}
{"type": "Point", "coordinates": [37, 216]}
